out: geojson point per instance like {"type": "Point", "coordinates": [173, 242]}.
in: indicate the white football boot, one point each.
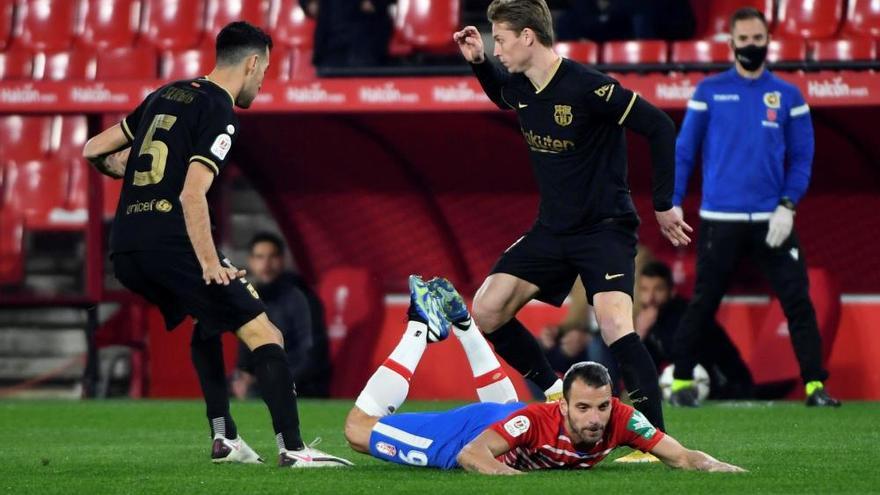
{"type": "Point", "coordinates": [310, 457]}
{"type": "Point", "coordinates": [226, 450]}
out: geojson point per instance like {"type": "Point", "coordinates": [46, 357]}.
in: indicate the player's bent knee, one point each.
{"type": "Point", "coordinates": [358, 428]}
{"type": "Point", "coordinates": [258, 332]}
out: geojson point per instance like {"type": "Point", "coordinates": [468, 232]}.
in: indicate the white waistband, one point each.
{"type": "Point", "coordinates": [725, 216]}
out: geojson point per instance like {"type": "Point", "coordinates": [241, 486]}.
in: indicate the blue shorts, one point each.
{"type": "Point", "coordinates": [434, 438]}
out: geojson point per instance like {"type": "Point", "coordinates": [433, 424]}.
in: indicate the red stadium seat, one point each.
{"type": "Point", "coordinates": [290, 26]}
{"type": "Point", "coordinates": [111, 23]}
{"type": "Point", "coordinates": [580, 51]}
{"type": "Point", "coordinates": [47, 24]}
{"type": "Point", "coordinates": [844, 50]}
{"type": "Point", "coordinates": [815, 19]}
{"type": "Point", "coordinates": [634, 52]}
{"type": "Point", "coordinates": [24, 137]}
{"type": "Point", "coordinates": [173, 24]}
{"type": "Point", "coordinates": [41, 192]}
{"type": "Point", "coordinates": [301, 64]}
{"type": "Point", "coordinates": [7, 7]}
{"type": "Point", "coordinates": [112, 190]}
{"type": "Point", "coordinates": [721, 10]}
{"type": "Point", "coordinates": [863, 18]}
{"type": "Point", "coordinates": [16, 63]}
{"type": "Point", "coordinates": [69, 135]}
{"type": "Point", "coordinates": [141, 62]}
{"type": "Point", "coordinates": [222, 12]}
{"type": "Point", "coordinates": [705, 51]}
{"type": "Point", "coordinates": [427, 25]}
{"type": "Point", "coordinates": [65, 65]}
{"type": "Point", "coordinates": [787, 50]}
{"type": "Point", "coordinates": [186, 64]}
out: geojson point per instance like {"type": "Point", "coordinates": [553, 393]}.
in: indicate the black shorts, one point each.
{"type": "Point", "coordinates": [173, 282]}
{"type": "Point", "coordinates": [603, 255]}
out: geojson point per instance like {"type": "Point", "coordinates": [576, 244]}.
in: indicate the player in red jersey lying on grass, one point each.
{"type": "Point", "coordinates": [498, 435]}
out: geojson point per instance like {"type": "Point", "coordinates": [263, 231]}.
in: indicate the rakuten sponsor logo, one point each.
{"type": "Point", "coordinates": [26, 94]}
{"type": "Point", "coordinates": [313, 93]}
{"type": "Point", "coordinates": [96, 93]}
{"type": "Point", "coordinates": [676, 91]}
{"type": "Point", "coordinates": [458, 93]}
{"type": "Point", "coordinates": [835, 88]}
{"type": "Point", "coordinates": [386, 93]}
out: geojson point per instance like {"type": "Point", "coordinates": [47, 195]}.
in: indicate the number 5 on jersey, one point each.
{"type": "Point", "coordinates": [156, 149]}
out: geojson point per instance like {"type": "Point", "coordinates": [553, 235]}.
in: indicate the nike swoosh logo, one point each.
{"type": "Point", "coordinates": [521, 105]}
{"type": "Point", "coordinates": [612, 277]}
{"type": "Point", "coordinates": [306, 458]}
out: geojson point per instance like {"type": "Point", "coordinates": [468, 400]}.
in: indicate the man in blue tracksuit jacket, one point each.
{"type": "Point", "coordinates": [756, 138]}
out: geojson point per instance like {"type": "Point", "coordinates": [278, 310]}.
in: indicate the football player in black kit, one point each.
{"type": "Point", "coordinates": [574, 121]}
{"type": "Point", "coordinates": [168, 152]}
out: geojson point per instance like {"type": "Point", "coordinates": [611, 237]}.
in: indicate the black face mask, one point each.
{"type": "Point", "coordinates": [751, 56]}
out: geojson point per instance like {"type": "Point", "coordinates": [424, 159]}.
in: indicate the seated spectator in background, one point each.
{"type": "Point", "coordinates": [661, 310]}
{"type": "Point", "coordinates": [296, 310]}
{"type": "Point", "coordinates": [350, 33]}
{"type": "Point", "coordinates": [611, 20]}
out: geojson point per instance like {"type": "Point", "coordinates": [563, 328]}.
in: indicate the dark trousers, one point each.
{"type": "Point", "coordinates": [720, 247]}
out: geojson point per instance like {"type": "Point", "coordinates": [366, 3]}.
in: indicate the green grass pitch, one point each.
{"type": "Point", "coordinates": [163, 447]}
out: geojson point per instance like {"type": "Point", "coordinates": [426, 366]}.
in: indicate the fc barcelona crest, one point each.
{"type": "Point", "coordinates": [563, 115]}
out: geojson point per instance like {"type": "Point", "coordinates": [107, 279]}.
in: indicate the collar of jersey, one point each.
{"type": "Point", "coordinates": [744, 80]}
{"type": "Point", "coordinates": [231, 99]}
{"type": "Point", "coordinates": [553, 73]}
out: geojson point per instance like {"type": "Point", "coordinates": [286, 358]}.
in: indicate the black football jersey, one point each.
{"type": "Point", "coordinates": [574, 129]}
{"type": "Point", "coordinates": [185, 123]}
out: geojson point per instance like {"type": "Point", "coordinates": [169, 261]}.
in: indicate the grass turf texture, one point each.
{"type": "Point", "coordinates": [163, 447]}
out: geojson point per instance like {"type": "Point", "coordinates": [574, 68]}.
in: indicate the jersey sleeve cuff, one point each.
{"type": "Point", "coordinates": [125, 130]}
{"type": "Point", "coordinates": [206, 162]}
{"type": "Point", "coordinates": [654, 441]}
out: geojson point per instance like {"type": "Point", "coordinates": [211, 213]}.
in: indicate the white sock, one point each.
{"type": "Point", "coordinates": [554, 391]}
{"type": "Point", "coordinates": [493, 384]}
{"type": "Point", "coordinates": [387, 388]}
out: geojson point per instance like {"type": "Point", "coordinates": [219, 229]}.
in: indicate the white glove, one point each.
{"type": "Point", "coordinates": [781, 222]}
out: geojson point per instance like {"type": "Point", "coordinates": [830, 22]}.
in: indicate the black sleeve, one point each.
{"type": "Point", "coordinates": [131, 121]}
{"type": "Point", "coordinates": [653, 123]}
{"type": "Point", "coordinates": [217, 130]}
{"type": "Point", "coordinates": [493, 79]}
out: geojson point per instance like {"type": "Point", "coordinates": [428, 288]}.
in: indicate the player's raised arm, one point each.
{"type": "Point", "coordinates": [480, 454]}
{"type": "Point", "coordinates": [108, 152]}
{"type": "Point", "coordinates": [673, 454]}
{"type": "Point", "coordinates": [492, 78]}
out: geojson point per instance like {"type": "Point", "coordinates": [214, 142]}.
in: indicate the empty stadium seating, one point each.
{"type": "Point", "coordinates": [24, 137]}
{"type": "Point", "coordinates": [45, 192]}
{"type": "Point", "coordinates": [580, 51]}
{"type": "Point", "coordinates": [222, 12]}
{"type": "Point", "coordinates": [64, 65]}
{"type": "Point", "coordinates": [16, 63]}
{"type": "Point", "coordinates": [863, 18]}
{"type": "Point", "coordinates": [428, 25]}
{"type": "Point", "coordinates": [69, 135]}
{"type": "Point", "coordinates": [186, 64]}
{"type": "Point", "coordinates": [127, 63]}
{"type": "Point", "coordinates": [634, 52]}
{"type": "Point", "coordinates": [290, 26]}
{"type": "Point", "coordinates": [721, 10]}
{"type": "Point", "coordinates": [815, 19]}
{"type": "Point", "coordinates": [844, 50]}
{"type": "Point", "coordinates": [279, 65]}
{"type": "Point", "coordinates": [11, 236]}
{"type": "Point", "coordinates": [787, 50]}
{"type": "Point", "coordinates": [703, 51]}
{"type": "Point", "coordinates": [110, 23]}
{"type": "Point", "coordinates": [46, 24]}
{"type": "Point", "coordinates": [6, 10]}
{"type": "Point", "coordinates": [173, 24]}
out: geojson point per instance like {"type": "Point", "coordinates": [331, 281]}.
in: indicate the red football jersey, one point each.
{"type": "Point", "coordinates": [537, 438]}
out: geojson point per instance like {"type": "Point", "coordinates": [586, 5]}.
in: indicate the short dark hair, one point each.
{"type": "Point", "coordinates": [240, 39]}
{"type": "Point", "coordinates": [658, 269]}
{"type": "Point", "coordinates": [589, 372]}
{"type": "Point", "coordinates": [269, 237]}
{"type": "Point", "coordinates": [746, 13]}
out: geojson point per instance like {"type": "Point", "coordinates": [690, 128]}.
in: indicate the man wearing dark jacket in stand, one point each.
{"type": "Point", "coordinates": [296, 311]}
{"type": "Point", "coordinates": [350, 33]}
